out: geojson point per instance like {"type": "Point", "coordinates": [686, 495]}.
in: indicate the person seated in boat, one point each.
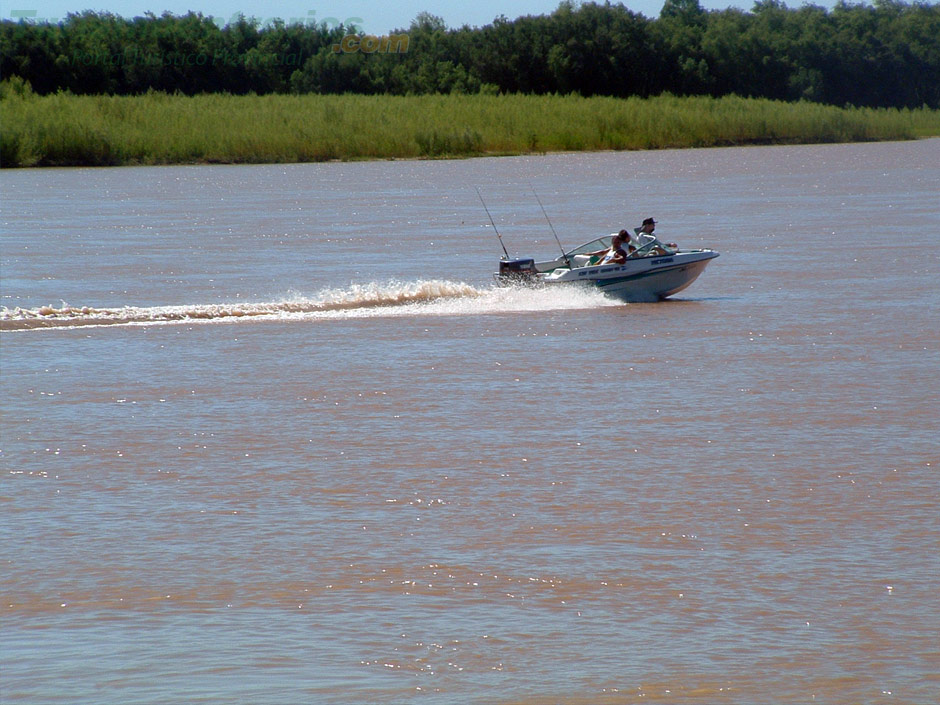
{"type": "Point", "coordinates": [626, 241]}
{"type": "Point", "coordinates": [644, 236]}
{"type": "Point", "coordinates": [615, 254]}
{"type": "Point", "coordinates": [644, 233]}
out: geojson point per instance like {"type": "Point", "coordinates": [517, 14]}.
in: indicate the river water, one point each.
{"type": "Point", "coordinates": [270, 435]}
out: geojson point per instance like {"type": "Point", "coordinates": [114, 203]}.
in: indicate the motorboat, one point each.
{"type": "Point", "coordinates": [652, 272]}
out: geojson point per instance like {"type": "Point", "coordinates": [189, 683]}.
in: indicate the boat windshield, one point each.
{"type": "Point", "coordinates": [648, 246]}
{"type": "Point", "coordinates": [592, 246]}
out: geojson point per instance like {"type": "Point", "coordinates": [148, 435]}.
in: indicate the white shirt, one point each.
{"type": "Point", "coordinates": [642, 238]}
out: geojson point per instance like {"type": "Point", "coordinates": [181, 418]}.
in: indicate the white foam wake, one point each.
{"type": "Point", "coordinates": [426, 297]}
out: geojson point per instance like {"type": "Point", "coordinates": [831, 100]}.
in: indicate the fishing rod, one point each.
{"type": "Point", "coordinates": [567, 261]}
{"type": "Point", "coordinates": [492, 221]}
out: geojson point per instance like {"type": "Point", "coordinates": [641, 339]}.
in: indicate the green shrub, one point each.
{"type": "Point", "coordinates": [158, 128]}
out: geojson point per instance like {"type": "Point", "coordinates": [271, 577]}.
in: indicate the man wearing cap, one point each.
{"type": "Point", "coordinates": [644, 236]}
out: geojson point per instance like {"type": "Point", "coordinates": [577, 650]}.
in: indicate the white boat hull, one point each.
{"type": "Point", "coordinates": [643, 279]}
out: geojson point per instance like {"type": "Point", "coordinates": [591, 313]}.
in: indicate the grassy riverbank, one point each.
{"type": "Point", "coordinates": [157, 128]}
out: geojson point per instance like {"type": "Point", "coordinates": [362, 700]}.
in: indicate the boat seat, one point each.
{"type": "Point", "coordinates": [580, 261]}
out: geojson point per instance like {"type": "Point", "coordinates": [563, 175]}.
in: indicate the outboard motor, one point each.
{"type": "Point", "coordinates": [517, 270]}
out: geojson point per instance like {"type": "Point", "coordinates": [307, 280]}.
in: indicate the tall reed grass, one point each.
{"type": "Point", "coordinates": [157, 128]}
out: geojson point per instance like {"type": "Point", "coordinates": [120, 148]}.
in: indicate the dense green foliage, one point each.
{"type": "Point", "coordinates": [886, 55]}
{"type": "Point", "coordinates": [157, 128]}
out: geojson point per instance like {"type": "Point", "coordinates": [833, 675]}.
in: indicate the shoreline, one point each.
{"type": "Point", "coordinates": [482, 155]}
{"type": "Point", "coordinates": [64, 130]}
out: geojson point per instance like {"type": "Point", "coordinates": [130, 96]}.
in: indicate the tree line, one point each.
{"type": "Point", "coordinates": [881, 55]}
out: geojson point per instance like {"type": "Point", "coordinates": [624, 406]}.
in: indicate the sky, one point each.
{"type": "Point", "coordinates": [372, 16]}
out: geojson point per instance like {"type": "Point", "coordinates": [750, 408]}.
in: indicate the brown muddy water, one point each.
{"type": "Point", "coordinates": [271, 435]}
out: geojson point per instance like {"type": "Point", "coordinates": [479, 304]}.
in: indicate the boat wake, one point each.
{"type": "Point", "coordinates": [426, 297]}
